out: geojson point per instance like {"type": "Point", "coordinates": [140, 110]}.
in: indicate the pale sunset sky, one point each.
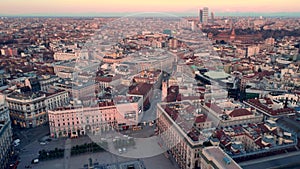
{"type": "Point", "coordinates": [14, 7]}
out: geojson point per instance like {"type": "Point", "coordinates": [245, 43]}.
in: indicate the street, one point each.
{"type": "Point", "coordinates": [30, 135]}
{"type": "Point", "coordinates": [150, 114]}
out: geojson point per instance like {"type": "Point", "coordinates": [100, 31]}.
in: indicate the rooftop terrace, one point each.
{"type": "Point", "coordinates": [26, 96]}
{"type": "Point", "coordinates": [219, 158]}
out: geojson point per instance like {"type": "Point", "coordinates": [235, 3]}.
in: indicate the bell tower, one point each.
{"type": "Point", "coordinates": [232, 35]}
{"type": "Point", "coordinates": [164, 90]}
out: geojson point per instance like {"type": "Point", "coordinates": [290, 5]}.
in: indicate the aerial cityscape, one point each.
{"type": "Point", "coordinates": [150, 85]}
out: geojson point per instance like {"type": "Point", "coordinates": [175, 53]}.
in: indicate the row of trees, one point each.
{"type": "Point", "coordinates": [86, 148]}
{"type": "Point", "coordinates": [75, 150]}
{"type": "Point", "coordinates": [51, 154]}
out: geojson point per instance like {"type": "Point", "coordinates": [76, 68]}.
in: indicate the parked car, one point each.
{"type": "Point", "coordinates": [35, 161]}
{"type": "Point", "coordinates": [42, 143]}
{"type": "Point", "coordinates": [16, 142]}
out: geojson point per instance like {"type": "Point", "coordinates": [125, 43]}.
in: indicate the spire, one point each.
{"type": "Point", "coordinates": [232, 32]}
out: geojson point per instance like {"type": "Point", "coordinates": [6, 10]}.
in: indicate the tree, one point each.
{"type": "Point", "coordinates": [259, 70]}
{"type": "Point", "coordinates": [222, 42]}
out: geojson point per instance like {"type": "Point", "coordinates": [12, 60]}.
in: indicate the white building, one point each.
{"type": "Point", "coordinates": [179, 125]}
{"type": "Point", "coordinates": [46, 81]}
{"type": "Point", "coordinates": [252, 50]}
{"type": "Point", "coordinates": [65, 56]}
{"type": "Point", "coordinates": [121, 114]}
{"type": "Point", "coordinates": [30, 109]}
{"type": "Point", "coordinates": [216, 158]}
{"type": "Point", "coordinates": [205, 15]}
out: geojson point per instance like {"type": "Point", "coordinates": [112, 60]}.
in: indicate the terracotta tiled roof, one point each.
{"type": "Point", "coordinates": [214, 107]}
{"type": "Point", "coordinates": [103, 79]}
{"type": "Point", "coordinates": [256, 103]}
{"type": "Point", "coordinates": [240, 112]}
{"type": "Point", "coordinates": [140, 89]}
{"type": "Point", "coordinates": [201, 119]}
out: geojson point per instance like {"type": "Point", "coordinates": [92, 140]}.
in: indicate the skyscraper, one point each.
{"type": "Point", "coordinates": [204, 15]}
{"type": "Point", "coordinates": [212, 17]}
{"type": "Point", "coordinates": [201, 16]}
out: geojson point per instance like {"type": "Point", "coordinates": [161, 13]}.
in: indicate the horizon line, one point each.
{"type": "Point", "coordinates": [187, 14]}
